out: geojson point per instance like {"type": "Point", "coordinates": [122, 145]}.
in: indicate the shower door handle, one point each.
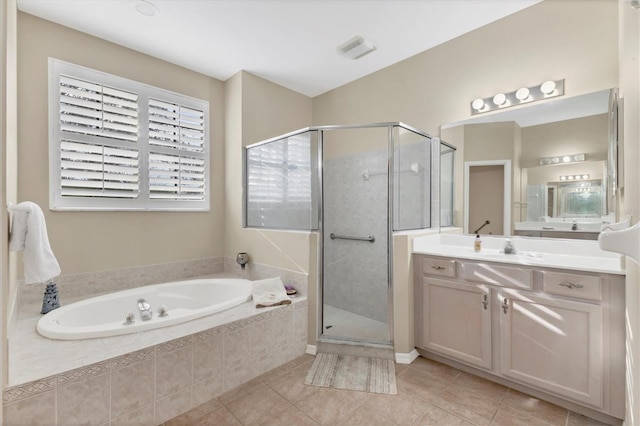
{"type": "Point", "coordinates": [370, 238]}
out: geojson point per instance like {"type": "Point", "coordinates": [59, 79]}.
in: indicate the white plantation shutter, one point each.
{"type": "Point", "coordinates": [175, 126]}
{"type": "Point", "coordinates": [98, 171]}
{"type": "Point", "coordinates": [172, 177]}
{"type": "Point", "coordinates": [92, 109]}
{"type": "Point", "coordinates": [117, 144]}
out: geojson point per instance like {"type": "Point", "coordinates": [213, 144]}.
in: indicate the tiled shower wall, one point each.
{"type": "Point", "coordinates": [150, 386]}
{"type": "Point", "coordinates": [355, 191]}
{"type": "Point", "coordinates": [355, 272]}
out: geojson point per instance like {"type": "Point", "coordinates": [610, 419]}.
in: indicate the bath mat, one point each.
{"type": "Point", "coordinates": [373, 375]}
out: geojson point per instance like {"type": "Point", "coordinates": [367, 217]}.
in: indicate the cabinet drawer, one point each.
{"type": "Point", "coordinates": [574, 285]}
{"type": "Point", "coordinates": [498, 275]}
{"type": "Point", "coordinates": [439, 267]}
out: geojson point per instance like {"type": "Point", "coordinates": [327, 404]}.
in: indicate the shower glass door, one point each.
{"type": "Point", "coordinates": [355, 224]}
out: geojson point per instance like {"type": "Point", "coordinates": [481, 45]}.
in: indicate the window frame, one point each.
{"type": "Point", "coordinates": [145, 92]}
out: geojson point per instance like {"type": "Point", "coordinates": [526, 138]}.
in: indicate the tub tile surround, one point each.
{"type": "Point", "coordinates": [160, 382]}
{"type": "Point", "coordinates": [182, 366]}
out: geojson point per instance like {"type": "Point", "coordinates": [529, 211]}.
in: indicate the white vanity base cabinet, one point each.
{"type": "Point", "coordinates": [556, 334]}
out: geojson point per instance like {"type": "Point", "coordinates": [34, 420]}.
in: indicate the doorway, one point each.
{"type": "Point", "coordinates": [487, 197]}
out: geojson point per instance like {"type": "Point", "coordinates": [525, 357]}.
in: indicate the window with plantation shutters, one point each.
{"type": "Point", "coordinates": [117, 144]}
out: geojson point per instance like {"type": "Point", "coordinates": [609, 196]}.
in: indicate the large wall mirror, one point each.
{"type": "Point", "coordinates": [541, 170]}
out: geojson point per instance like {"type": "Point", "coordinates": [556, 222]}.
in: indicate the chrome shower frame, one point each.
{"type": "Point", "coordinates": [391, 126]}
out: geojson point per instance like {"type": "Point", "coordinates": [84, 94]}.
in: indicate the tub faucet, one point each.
{"type": "Point", "coordinates": [145, 309]}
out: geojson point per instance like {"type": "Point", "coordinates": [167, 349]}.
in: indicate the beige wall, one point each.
{"type": "Point", "coordinates": [258, 110]}
{"type": "Point", "coordinates": [630, 195]}
{"type": "Point", "coordinates": [8, 162]}
{"type": "Point", "coordinates": [587, 135]}
{"type": "Point", "coordinates": [95, 241]}
{"type": "Point", "coordinates": [435, 87]}
{"type": "Point", "coordinates": [255, 110]}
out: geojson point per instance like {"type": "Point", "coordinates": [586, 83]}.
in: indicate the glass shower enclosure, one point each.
{"type": "Point", "coordinates": [355, 185]}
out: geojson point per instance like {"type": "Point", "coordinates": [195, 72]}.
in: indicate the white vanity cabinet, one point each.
{"type": "Point", "coordinates": [554, 331]}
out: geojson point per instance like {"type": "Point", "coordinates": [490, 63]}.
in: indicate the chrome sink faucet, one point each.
{"type": "Point", "coordinates": [145, 310]}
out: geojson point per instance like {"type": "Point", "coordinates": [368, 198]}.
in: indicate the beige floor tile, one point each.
{"type": "Point", "coordinates": [291, 386]}
{"type": "Point", "coordinates": [471, 407]}
{"type": "Point", "coordinates": [420, 385]}
{"type": "Point", "coordinates": [551, 413]}
{"type": "Point", "coordinates": [364, 416]}
{"type": "Point", "coordinates": [330, 406]}
{"type": "Point", "coordinates": [507, 416]}
{"type": "Point", "coordinates": [219, 417]}
{"type": "Point", "coordinates": [240, 390]}
{"type": "Point", "coordinates": [304, 359]}
{"type": "Point", "coordinates": [400, 368]}
{"type": "Point", "coordinates": [433, 368]}
{"type": "Point", "coordinates": [256, 405]}
{"type": "Point", "coordinates": [576, 419]}
{"type": "Point", "coordinates": [475, 384]}
{"type": "Point", "coordinates": [404, 408]}
{"type": "Point", "coordinates": [438, 416]}
{"type": "Point", "coordinates": [290, 416]}
{"type": "Point", "coordinates": [195, 414]}
{"type": "Point", "coordinates": [278, 371]}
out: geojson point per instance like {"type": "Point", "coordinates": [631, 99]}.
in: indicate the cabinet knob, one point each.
{"type": "Point", "coordinates": [570, 285]}
{"type": "Point", "coordinates": [505, 305]}
{"type": "Point", "coordinates": [438, 268]}
{"type": "Point", "coordinates": [485, 301]}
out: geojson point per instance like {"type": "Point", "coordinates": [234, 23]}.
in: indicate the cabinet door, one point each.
{"type": "Point", "coordinates": [555, 345]}
{"type": "Point", "coordinates": [457, 321]}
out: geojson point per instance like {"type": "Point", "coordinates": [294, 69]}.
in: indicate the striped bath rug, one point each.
{"type": "Point", "coordinates": [373, 375]}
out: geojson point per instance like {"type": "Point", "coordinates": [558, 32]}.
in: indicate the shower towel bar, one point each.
{"type": "Point", "coordinates": [370, 239]}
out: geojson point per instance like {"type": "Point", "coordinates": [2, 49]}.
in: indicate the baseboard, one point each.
{"type": "Point", "coordinates": [311, 349]}
{"type": "Point", "coordinates": [406, 358]}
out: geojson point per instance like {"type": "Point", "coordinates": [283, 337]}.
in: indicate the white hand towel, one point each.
{"type": "Point", "coordinates": [269, 292]}
{"type": "Point", "coordinates": [40, 264]}
{"type": "Point", "coordinates": [18, 230]}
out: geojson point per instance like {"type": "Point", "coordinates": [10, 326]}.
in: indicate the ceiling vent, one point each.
{"type": "Point", "coordinates": [356, 48]}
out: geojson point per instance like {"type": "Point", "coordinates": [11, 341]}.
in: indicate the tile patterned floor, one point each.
{"type": "Point", "coordinates": [429, 393]}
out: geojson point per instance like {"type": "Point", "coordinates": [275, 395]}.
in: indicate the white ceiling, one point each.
{"type": "Point", "coordinates": [290, 42]}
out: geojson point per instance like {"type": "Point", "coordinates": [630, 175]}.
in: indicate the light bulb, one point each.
{"type": "Point", "coordinates": [548, 87]}
{"type": "Point", "coordinates": [522, 94]}
{"type": "Point", "coordinates": [477, 104]}
{"type": "Point", "coordinates": [566, 159]}
{"type": "Point", "coordinates": [585, 176]}
{"type": "Point", "coordinates": [499, 99]}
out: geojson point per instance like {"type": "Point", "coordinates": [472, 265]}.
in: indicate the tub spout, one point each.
{"type": "Point", "coordinates": [145, 310]}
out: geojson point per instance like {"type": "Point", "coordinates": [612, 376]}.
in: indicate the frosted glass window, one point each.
{"type": "Point", "coordinates": [281, 183]}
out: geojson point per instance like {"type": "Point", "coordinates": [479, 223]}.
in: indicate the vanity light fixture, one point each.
{"type": "Point", "coordinates": [574, 177]}
{"type": "Point", "coordinates": [562, 159]}
{"type": "Point", "coordinates": [545, 90]}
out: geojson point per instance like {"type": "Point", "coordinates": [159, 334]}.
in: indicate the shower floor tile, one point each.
{"type": "Point", "coordinates": [341, 323]}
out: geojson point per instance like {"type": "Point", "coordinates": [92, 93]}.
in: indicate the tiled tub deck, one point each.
{"type": "Point", "coordinates": [148, 377]}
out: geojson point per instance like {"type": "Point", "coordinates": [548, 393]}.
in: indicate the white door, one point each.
{"type": "Point", "coordinates": [555, 345]}
{"type": "Point", "coordinates": [457, 321]}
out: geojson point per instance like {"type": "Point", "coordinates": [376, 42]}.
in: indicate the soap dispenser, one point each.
{"type": "Point", "coordinates": [477, 243]}
{"type": "Point", "coordinates": [509, 248]}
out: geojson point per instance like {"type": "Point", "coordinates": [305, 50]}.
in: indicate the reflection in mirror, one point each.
{"type": "Point", "coordinates": [558, 196]}
{"type": "Point", "coordinates": [447, 161]}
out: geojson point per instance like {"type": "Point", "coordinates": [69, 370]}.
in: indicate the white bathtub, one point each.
{"type": "Point", "coordinates": [103, 316]}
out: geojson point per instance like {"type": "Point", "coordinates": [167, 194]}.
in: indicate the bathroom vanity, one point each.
{"type": "Point", "coordinates": [549, 319]}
